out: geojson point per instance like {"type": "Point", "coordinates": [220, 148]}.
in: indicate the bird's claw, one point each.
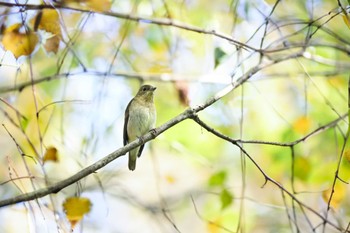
{"type": "Point", "coordinates": [153, 132]}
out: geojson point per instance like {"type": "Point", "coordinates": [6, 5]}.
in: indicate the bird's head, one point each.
{"type": "Point", "coordinates": [146, 92]}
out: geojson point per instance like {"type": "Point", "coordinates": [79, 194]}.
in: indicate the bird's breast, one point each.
{"type": "Point", "coordinates": [141, 120]}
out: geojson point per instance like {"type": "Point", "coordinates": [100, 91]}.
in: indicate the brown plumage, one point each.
{"type": "Point", "coordinates": [140, 117]}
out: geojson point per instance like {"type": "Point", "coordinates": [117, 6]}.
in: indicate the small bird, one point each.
{"type": "Point", "coordinates": [140, 117]}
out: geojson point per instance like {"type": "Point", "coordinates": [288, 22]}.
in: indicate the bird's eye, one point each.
{"type": "Point", "coordinates": [144, 89]}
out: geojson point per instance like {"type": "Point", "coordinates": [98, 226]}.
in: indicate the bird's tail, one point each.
{"type": "Point", "coordinates": [132, 160]}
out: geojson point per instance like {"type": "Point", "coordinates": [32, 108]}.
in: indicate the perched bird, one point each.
{"type": "Point", "coordinates": [140, 117]}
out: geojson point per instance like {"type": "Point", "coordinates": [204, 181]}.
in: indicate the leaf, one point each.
{"type": "Point", "coordinates": [52, 44]}
{"type": "Point", "coordinates": [219, 54]}
{"type": "Point", "coordinates": [170, 179]}
{"type": "Point", "coordinates": [96, 5]}
{"type": "Point", "coordinates": [24, 123]}
{"type": "Point", "coordinates": [218, 179]}
{"type": "Point", "coordinates": [75, 209]}
{"type": "Point", "coordinates": [346, 20]}
{"type": "Point", "coordinates": [51, 155]}
{"type": "Point", "coordinates": [182, 92]}
{"type": "Point", "coordinates": [214, 226]}
{"type": "Point", "coordinates": [48, 20]}
{"type": "Point", "coordinates": [347, 155]}
{"type": "Point", "coordinates": [99, 5]}
{"type": "Point", "coordinates": [225, 198]}
{"type": "Point", "coordinates": [302, 168]}
{"type": "Point", "coordinates": [19, 43]}
{"type": "Point", "coordinates": [302, 125]}
{"type": "Point", "coordinates": [338, 195]}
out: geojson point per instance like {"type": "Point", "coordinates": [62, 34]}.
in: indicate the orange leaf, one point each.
{"type": "Point", "coordinates": [338, 195]}
{"type": "Point", "coordinates": [302, 125]}
{"type": "Point", "coordinates": [51, 155]}
{"type": "Point", "coordinates": [75, 209]}
{"type": "Point", "coordinates": [19, 43]}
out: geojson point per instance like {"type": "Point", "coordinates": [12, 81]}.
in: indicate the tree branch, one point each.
{"type": "Point", "coordinates": [266, 177]}
{"type": "Point", "coordinates": [147, 20]}
{"type": "Point", "coordinates": [189, 113]}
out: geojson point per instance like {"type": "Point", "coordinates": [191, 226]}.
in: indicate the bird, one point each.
{"type": "Point", "coordinates": [139, 118]}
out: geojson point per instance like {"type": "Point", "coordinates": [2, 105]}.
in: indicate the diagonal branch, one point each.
{"type": "Point", "coordinates": [189, 113]}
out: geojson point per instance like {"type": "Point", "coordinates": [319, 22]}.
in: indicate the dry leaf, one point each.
{"type": "Point", "coordinates": [182, 92]}
{"type": "Point", "coordinates": [302, 125]}
{"type": "Point", "coordinates": [48, 20]}
{"type": "Point", "coordinates": [19, 43]}
{"type": "Point", "coordinates": [51, 155]}
{"type": "Point", "coordinates": [338, 195]}
{"type": "Point", "coordinates": [52, 44]}
{"type": "Point", "coordinates": [75, 209]}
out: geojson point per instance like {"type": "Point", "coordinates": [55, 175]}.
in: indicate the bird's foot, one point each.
{"type": "Point", "coordinates": [153, 132]}
{"type": "Point", "coordinates": [141, 140]}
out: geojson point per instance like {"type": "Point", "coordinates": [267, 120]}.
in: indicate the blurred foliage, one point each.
{"type": "Point", "coordinates": [67, 73]}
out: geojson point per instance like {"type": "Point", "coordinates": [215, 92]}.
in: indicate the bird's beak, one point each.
{"type": "Point", "coordinates": [154, 88]}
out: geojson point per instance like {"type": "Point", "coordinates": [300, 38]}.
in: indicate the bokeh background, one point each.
{"type": "Point", "coordinates": [69, 68]}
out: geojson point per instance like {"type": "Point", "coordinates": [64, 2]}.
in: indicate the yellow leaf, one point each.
{"type": "Point", "coordinates": [347, 155]}
{"type": "Point", "coordinates": [75, 209]}
{"type": "Point", "coordinates": [338, 195]}
{"type": "Point", "coordinates": [51, 155]}
{"type": "Point", "coordinates": [214, 227]}
{"type": "Point", "coordinates": [96, 5]}
{"type": "Point", "coordinates": [50, 22]}
{"type": "Point", "coordinates": [19, 43]}
{"type": "Point", "coordinates": [99, 5]}
{"type": "Point", "coordinates": [170, 179]}
{"type": "Point", "coordinates": [346, 20]}
{"type": "Point", "coordinates": [337, 81]}
{"type": "Point", "coordinates": [302, 125]}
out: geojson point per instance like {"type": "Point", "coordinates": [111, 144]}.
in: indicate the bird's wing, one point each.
{"type": "Point", "coordinates": [126, 120]}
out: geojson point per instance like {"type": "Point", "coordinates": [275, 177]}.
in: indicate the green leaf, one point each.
{"type": "Point", "coordinates": [302, 168]}
{"type": "Point", "coordinates": [218, 179]}
{"type": "Point", "coordinates": [24, 123]}
{"type": "Point", "coordinates": [219, 54]}
{"type": "Point", "coordinates": [226, 198]}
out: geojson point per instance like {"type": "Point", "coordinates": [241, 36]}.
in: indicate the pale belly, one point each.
{"type": "Point", "coordinates": [140, 122]}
